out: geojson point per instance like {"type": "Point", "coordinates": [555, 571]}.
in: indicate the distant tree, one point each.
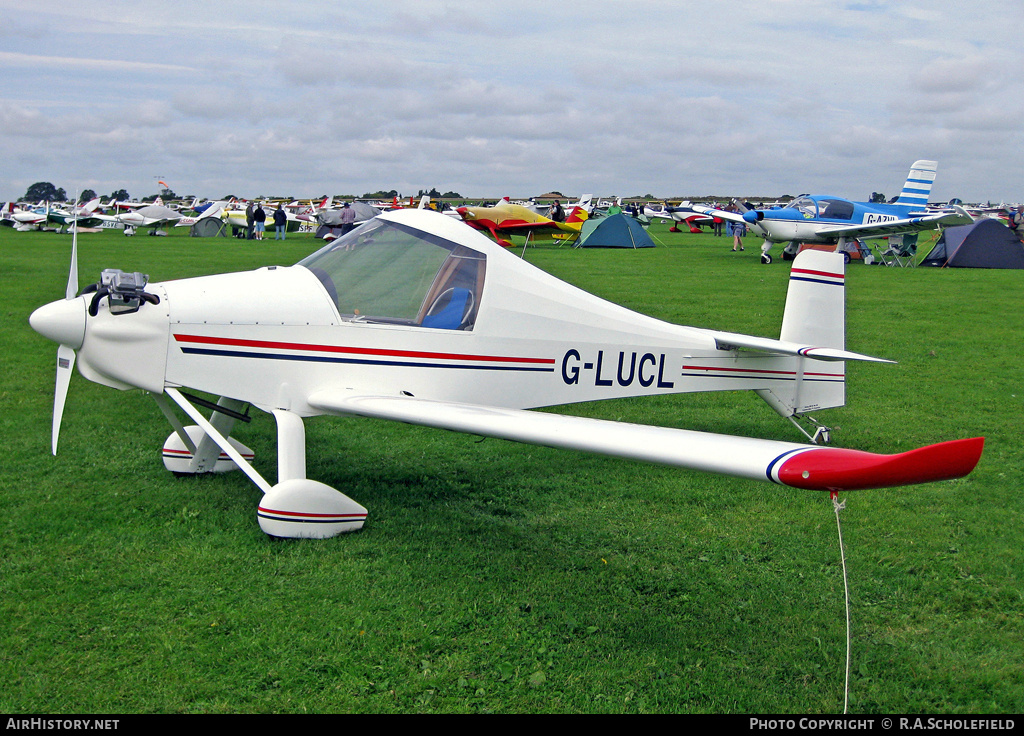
{"type": "Point", "coordinates": [120, 195]}
{"type": "Point", "coordinates": [451, 195]}
{"type": "Point", "coordinates": [86, 195]}
{"type": "Point", "coordinates": [877, 197]}
{"type": "Point", "coordinates": [381, 195]}
{"type": "Point", "coordinates": [45, 190]}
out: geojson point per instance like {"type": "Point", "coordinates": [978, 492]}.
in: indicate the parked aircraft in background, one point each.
{"type": "Point", "coordinates": [414, 317]}
{"type": "Point", "coordinates": [151, 217]}
{"type": "Point", "coordinates": [234, 215]}
{"type": "Point", "coordinates": [76, 215]}
{"type": "Point", "coordinates": [208, 210]}
{"type": "Point", "coordinates": [23, 219]}
{"type": "Point", "coordinates": [833, 220]}
{"type": "Point", "coordinates": [509, 219]}
{"type": "Point", "coordinates": [684, 213]}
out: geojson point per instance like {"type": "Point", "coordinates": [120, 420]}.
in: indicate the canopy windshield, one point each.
{"type": "Point", "coordinates": [804, 205]}
{"type": "Point", "coordinates": [385, 272]}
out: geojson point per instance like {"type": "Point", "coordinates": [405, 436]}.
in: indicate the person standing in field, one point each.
{"type": "Point", "coordinates": [280, 222]}
{"type": "Point", "coordinates": [259, 218]}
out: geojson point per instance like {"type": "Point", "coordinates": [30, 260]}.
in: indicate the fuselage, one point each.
{"type": "Point", "coordinates": [275, 336]}
{"type": "Point", "coordinates": [808, 218]}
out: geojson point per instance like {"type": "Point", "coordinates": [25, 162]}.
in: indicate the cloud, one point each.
{"type": "Point", "coordinates": [14, 60]}
{"type": "Point", "coordinates": [769, 95]}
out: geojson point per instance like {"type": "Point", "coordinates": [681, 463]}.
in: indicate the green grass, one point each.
{"type": "Point", "coordinates": [497, 577]}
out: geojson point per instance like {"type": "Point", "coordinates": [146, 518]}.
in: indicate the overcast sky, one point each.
{"type": "Point", "coordinates": [516, 98]}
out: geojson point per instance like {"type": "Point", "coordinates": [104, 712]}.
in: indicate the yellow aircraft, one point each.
{"type": "Point", "coordinates": [514, 219]}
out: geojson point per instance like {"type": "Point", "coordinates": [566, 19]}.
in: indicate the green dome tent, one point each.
{"type": "Point", "coordinates": [614, 231]}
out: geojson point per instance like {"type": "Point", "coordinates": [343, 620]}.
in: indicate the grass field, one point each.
{"type": "Point", "coordinates": [497, 577]}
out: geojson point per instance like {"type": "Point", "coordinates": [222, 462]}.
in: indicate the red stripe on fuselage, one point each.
{"type": "Point", "coordinates": [273, 345]}
{"type": "Point", "coordinates": [756, 370]}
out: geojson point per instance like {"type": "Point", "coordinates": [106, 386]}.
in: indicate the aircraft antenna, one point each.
{"type": "Point", "coordinates": [837, 507]}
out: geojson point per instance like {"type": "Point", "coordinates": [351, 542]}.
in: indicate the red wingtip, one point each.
{"type": "Point", "coordinates": [835, 469]}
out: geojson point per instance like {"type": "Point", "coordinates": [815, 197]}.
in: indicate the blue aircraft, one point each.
{"type": "Point", "coordinates": [835, 220]}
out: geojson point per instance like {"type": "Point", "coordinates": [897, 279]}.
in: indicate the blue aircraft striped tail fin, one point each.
{"type": "Point", "coordinates": [919, 184]}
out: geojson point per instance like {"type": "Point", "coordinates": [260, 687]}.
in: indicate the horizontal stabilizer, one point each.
{"type": "Point", "coordinates": [727, 340]}
{"type": "Point", "coordinates": [787, 463]}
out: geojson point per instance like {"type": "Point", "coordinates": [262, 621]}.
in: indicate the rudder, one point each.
{"type": "Point", "coordinates": [918, 186]}
{"type": "Point", "coordinates": [815, 315]}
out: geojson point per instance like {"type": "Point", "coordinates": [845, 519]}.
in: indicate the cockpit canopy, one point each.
{"type": "Point", "coordinates": [829, 208]}
{"type": "Point", "coordinates": [384, 272]}
{"type": "Point", "coordinates": [805, 205]}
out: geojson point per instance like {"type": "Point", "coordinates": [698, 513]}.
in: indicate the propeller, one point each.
{"type": "Point", "coordinates": [63, 321]}
{"type": "Point", "coordinates": [65, 353]}
{"type": "Point", "coordinates": [65, 365]}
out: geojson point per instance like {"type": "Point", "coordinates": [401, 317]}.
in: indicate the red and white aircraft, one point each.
{"type": "Point", "coordinates": [417, 318]}
{"type": "Point", "coordinates": [23, 219]}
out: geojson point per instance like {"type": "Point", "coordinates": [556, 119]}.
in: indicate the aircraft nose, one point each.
{"type": "Point", "coordinates": [62, 321]}
{"type": "Point", "coordinates": [464, 212]}
{"type": "Point", "coordinates": [753, 216]}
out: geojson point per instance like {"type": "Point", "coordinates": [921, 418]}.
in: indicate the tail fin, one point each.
{"type": "Point", "coordinates": [577, 215]}
{"type": "Point", "coordinates": [815, 315]}
{"type": "Point", "coordinates": [918, 186]}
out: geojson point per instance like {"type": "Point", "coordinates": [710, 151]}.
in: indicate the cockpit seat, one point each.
{"type": "Point", "coordinates": [452, 315]}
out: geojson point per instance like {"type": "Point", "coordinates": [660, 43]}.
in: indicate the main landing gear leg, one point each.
{"type": "Point", "coordinates": [822, 435]}
{"type": "Point", "coordinates": [296, 507]}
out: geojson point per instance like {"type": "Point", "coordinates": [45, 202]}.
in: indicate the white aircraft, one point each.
{"type": "Point", "coordinates": [212, 211]}
{"type": "Point", "coordinates": [149, 216]}
{"type": "Point", "coordinates": [74, 215]}
{"type": "Point", "coordinates": [417, 318]}
{"type": "Point", "coordinates": [833, 220]}
{"type": "Point", "coordinates": [23, 219]}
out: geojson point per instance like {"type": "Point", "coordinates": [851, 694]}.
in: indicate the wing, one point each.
{"type": "Point", "coordinates": [895, 227]}
{"type": "Point", "coordinates": [712, 212]}
{"type": "Point", "coordinates": [524, 227]}
{"type": "Point", "coordinates": [785, 463]}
